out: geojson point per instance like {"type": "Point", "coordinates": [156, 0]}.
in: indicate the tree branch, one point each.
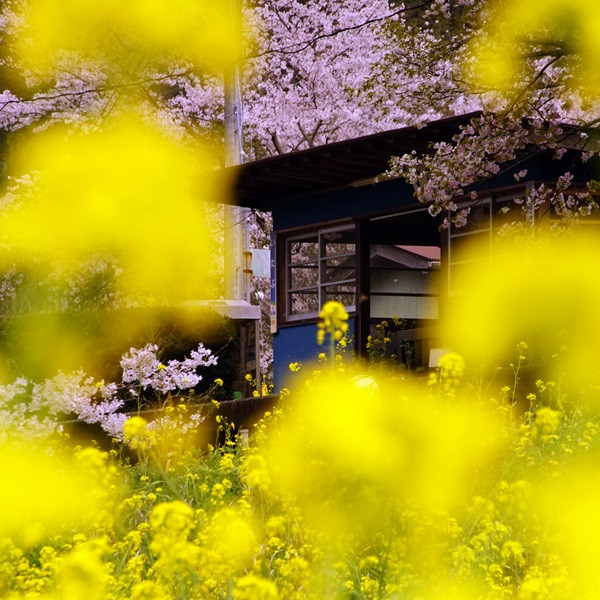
{"type": "Point", "coordinates": [302, 45]}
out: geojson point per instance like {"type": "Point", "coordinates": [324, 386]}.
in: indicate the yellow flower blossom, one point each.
{"type": "Point", "coordinates": [148, 590]}
{"type": "Point", "coordinates": [173, 516]}
{"type": "Point", "coordinates": [137, 434]}
{"type": "Point", "coordinates": [334, 319]}
{"type": "Point", "coordinates": [256, 473]}
{"type": "Point", "coordinates": [547, 422]}
{"type": "Point", "coordinates": [251, 587]}
{"type": "Point", "coordinates": [512, 553]}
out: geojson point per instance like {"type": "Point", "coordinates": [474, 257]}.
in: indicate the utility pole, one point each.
{"type": "Point", "coordinates": [235, 218]}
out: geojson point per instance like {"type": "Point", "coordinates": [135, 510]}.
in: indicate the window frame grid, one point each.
{"type": "Point", "coordinates": [322, 257]}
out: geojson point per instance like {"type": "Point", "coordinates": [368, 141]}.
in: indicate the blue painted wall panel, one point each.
{"type": "Point", "coordinates": [296, 344]}
{"type": "Point", "coordinates": [340, 204]}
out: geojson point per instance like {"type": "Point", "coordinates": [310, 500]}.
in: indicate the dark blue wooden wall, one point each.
{"type": "Point", "coordinates": [350, 202]}
{"type": "Point", "coordinates": [297, 343]}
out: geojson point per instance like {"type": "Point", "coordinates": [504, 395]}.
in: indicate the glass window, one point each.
{"type": "Point", "coordinates": [472, 247]}
{"type": "Point", "coordinates": [320, 266]}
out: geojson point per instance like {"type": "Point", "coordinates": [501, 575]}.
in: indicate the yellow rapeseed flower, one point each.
{"type": "Point", "coordinates": [45, 492]}
{"type": "Point", "coordinates": [515, 28]}
{"type": "Point", "coordinates": [256, 473]}
{"type": "Point", "coordinates": [252, 587]}
{"type": "Point", "coordinates": [540, 293]}
{"type": "Point", "coordinates": [547, 422]}
{"type": "Point", "coordinates": [113, 32]}
{"type": "Point", "coordinates": [174, 517]}
{"type": "Point", "coordinates": [137, 434]}
{"type": "Point", "coordinates": [334, 319]}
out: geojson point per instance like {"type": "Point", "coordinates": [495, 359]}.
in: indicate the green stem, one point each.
{"type": "Point", "coordinates": [331, 348]}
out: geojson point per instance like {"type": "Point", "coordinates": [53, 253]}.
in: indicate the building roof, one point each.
{"type": "Point", "coordinates": [239, 310]}
{"type": "Point", "coordinates": [413, 257]}
{"type": "Point", "coordinates": [267, 182]}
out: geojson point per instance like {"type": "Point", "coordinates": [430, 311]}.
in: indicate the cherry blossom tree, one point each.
{"type": "Point", "coordinates": [319, 71]}
{"type": "Point", "coordinates": [314, 72]}
{"type": "Point", "coordinates": [543, 104]}
{"type": "Point", "coordinates": [312, 59]}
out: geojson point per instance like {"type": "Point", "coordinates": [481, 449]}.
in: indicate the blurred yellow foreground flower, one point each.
{"type": "Point", "coordinates": [128, 193]}
{"type": "Point", "coordinates": [353, 444]}
{"type": "Point", "coordinates": [126, 34]}
{"type": "Point", "coordinates": [45, 493]}
{"type": "Point", "coordinates": [518, 28]}
{"type": "Point", "coordinates": [545, 294]}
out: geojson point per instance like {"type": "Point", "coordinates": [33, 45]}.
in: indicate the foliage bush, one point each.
{"type": "Point", "coordinates": [174, 330]}
{"type": "Point", "coordinates": [358, 485]}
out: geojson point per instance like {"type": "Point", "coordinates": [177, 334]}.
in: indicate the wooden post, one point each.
{"type": "Point", "coordinates": [362, 324]}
